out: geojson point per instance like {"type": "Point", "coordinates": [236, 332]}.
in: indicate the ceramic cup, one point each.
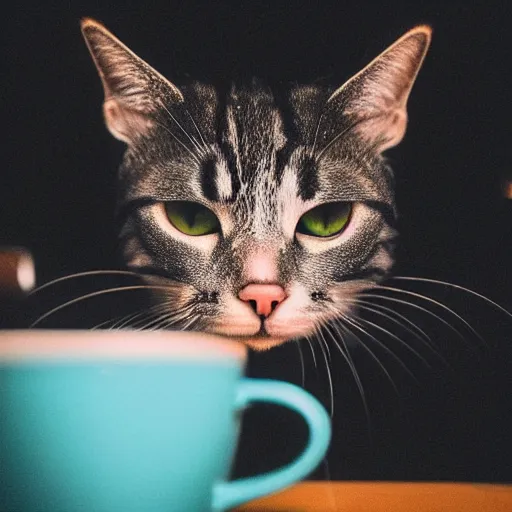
{"type": "Point", "coordinates": [109, 421]}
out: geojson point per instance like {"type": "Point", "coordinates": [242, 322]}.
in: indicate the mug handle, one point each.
{"type": "Point", "coordinates": [231, 494]}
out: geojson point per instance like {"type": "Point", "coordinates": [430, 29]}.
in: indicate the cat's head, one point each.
{"type": "Point", "coordinates": [261, 215]}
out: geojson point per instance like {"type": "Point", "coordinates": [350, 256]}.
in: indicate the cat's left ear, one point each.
{"type": "Point", "coordinates": [374, 100]}
{"type": "Point", "coordinates": [133, 89]}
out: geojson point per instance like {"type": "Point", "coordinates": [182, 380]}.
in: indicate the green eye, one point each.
{"type": "Point", "coordinates": [192, 218]}
{"type": "Point", "coordinates": [325, 220]}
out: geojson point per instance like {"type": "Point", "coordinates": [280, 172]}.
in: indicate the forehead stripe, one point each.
{"type": "Point", "coordinates": [208, 180]}
{"type": "Point", "coordinates": [308, 179]}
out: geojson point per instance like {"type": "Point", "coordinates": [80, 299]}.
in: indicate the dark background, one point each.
{"type": "Point", "coordinates": [57, 194]}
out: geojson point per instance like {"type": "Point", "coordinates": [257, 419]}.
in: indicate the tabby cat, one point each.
{"type": "Point", "coordinates": [256, 215]}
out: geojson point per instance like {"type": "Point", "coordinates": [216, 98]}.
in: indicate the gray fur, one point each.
{"type": "Point", "coordinates": [253, 158]}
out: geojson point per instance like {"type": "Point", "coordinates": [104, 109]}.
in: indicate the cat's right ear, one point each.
{"type": "Point", "coordinates": [134, 91]}
{"type": "Point", "coordinates": [375, 100]}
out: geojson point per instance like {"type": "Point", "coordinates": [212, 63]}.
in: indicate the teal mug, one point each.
{"type": "Point", "coordinates": [108, 421]}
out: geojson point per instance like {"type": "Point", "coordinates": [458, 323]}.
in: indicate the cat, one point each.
{"type": "Point", "coordinates": [253, 214]}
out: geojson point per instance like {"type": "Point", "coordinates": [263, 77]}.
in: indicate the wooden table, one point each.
{"type": "Point", "coordinates": [386, 497]}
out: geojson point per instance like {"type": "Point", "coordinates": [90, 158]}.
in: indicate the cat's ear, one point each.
{"type": "Point", "coordinates": [133, 89]}
{"type": "Point", "coordinates": [375, 99]}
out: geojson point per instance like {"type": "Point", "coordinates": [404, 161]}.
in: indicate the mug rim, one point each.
{"type": "Point", "coordinates": [120, 345]}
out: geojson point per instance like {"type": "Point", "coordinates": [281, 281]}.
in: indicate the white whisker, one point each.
{"type": "Point", "coordinates": [170, 318]}
{"type": "Point", "coordinates": [96, 294]}
{"type": "Point", "coordinates": [437, 303]}
{"type": "Point", "coordinates": [133, 320]}
{"type": "Point", "coordinates": [180, 142]}
{"type": "Point", "coordinates": [190, 137]}
{"type": "Point", "coordinates": [372, 354]}
{"type": "Point", "coordinates": [119, 321]}
{"type": "Point", "coordinates": [334, 139]}
{"type": "Point", "coordinates": [457, 287]}
{"type": "Point", "coordinates": [348, 358]}
{"type": "Point", "coordinates": [84, 274]}
{"type": "Point", "coordinates": [161, 319]}
{"type": "Point", "coordinates": [397, 338]}
{"type": "Point", "coordinates": [312, 351]}
{"type": "Point", "coordinates": [354, 323]}
{"type": "Point", "coordinates": [197, 129]}
{"type": "Point", "coordinates": [420, 308]}
{"type": "Point", "coordinates": [188, 324]}
{"type": "Point", "coordinates": [414, 330]}
{"type": "Point", "coordinates": [323, 342]}
{"type": "Point", "coordinates": [313, 147]}
{"type": "Point", "coordinates": [301, 359]}
{"type": "Point", "coordinates": [374, 308]}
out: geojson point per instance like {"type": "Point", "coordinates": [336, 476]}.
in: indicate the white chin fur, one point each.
{"type": "Point", "coordinates": [262, 344]}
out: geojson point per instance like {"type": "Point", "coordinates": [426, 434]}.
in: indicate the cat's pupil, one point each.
{"type": "Point", "coordinates": [191, 212]}
{"type": "Point", "coordinates": [327, 217]}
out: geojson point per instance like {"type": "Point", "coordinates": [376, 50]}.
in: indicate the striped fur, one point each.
{"type": "Point", "coordinates": [259, 159]}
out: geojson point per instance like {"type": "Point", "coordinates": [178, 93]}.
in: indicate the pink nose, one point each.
{"type": "Point", "coordinates": [263, 298]}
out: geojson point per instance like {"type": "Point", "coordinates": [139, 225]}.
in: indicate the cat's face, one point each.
{"type": "Point", "coordinates": [257, 215]}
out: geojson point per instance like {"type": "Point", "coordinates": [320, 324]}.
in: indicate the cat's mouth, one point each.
{"type": "Point", "coordinates": [239, 321]}
{"type": "Point", "coordinates": [261, 340]}
{"type": "Point", "coordinates": [267, 336]}
{"type": "Point", "coordinates": [262, 333]}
